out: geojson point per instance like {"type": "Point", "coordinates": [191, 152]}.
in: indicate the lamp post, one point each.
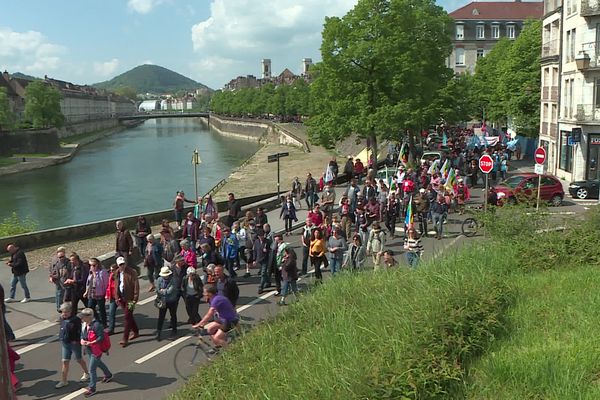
{"type": "Point", "coordinates": [196, 161]}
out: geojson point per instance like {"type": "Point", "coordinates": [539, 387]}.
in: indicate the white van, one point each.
{"type": "Point", "coordinates": [431, 156]}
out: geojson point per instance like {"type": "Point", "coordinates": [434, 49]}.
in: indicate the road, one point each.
{"type": "Point", "coordinates": [147, 369]}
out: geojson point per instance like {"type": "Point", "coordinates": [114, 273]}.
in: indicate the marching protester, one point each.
{"type": "Point", "coordinates": [126, 295]}
{"type": "Point", "coordinates": [91, 338]}
{"type": "Point", "coordinates": [289, 274]}
{"type": "Point", "coordinates": [167, 298]}
{"type": "Point", "coordinates": [95, 289]}
{"type": "Point", "coordinates": [59, 262]}
{"type": "Point", "coordinates": [192, 293]}
{"type": "Point", "coordinates": [413, 247]}
{"type": "Point", "coordinates": [19, 268]}
{"type": "Point", "coordinates": [70, 340]}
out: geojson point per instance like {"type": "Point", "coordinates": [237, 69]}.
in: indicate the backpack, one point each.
{"type": "Point", "coordinates": [105, 343]}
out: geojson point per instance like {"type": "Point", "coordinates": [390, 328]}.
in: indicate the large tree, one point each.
{"type": "Point", "coordinates": [42, 105]}
{"type": "Point", "coordinates": [382, 64]}
{"type": "Point", "coordinates": [521, 80]}
{"type": "Point", "coordinates": [6, 115]}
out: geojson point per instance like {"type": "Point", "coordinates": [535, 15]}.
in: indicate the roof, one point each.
{"type": "Point", "coordinates": [500, 10]}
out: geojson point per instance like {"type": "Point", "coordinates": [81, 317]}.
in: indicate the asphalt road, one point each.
{"type": "Point", "coordinates": [147, 369]}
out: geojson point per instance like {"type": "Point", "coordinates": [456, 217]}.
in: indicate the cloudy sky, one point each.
{"type": "Point", "coordinates": [211, 41]}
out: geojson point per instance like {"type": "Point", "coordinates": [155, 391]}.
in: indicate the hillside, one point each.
{"type": "Point", "coordinates": [151, 79]}
{"type": "Point", "coordinates": [21, 75]}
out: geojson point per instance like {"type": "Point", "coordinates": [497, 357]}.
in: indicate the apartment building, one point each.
{"type": "Point", "coordinates": [479, 25]}
{"type": "Point", "coordinates": [570, 51]}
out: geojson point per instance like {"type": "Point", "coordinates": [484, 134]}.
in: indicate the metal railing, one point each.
{"type": "Point", "coordinates": [587, 113]}
{"type": "Point", "coordinates": [590, 8]}
{"type": "Point", "coordinates": [550, 48]}
{"type": "Point", "coordinates": [591, 49]}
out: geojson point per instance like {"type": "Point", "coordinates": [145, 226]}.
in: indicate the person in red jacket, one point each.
{"type": "Point", "coordinates": [111, 290]}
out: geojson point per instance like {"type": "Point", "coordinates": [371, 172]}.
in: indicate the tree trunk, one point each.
{"type": "Point", "coordinates": [373, 146]}
{"type": "Point", "coordinates": [412, 151]}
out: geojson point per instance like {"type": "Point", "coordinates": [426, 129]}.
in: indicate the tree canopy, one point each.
{"type": "Point", "coordinates": [42, 105]}
{"type": "Point", "coordinates": [507, 81]}
{"type": "Point", "coordinates": [382, 64]}
{"type": "Point", "coordinates": [6, 115]}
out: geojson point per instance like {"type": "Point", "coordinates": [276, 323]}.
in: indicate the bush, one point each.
{"type": "Point", "coordinates": [13, 225]}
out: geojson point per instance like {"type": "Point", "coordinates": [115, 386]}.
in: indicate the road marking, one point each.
{"type": "Point", "coordinates": [34, 346]}
{"type": "Point", "coordinates": [38, 326]}
{"type": "Point", "coordinates": [162, 349]}
{"type": "Point", "coordinates": [146, 301]}
{"type": "Point", "coordinates": [256, 301]}
{"type": "Point", "coordinates": [73, 395]}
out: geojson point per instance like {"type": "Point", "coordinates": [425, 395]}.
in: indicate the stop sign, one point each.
{"type": "Point", "coordinates": [540, 155]}
{"type": "Point", "coordinates": [486, 164]}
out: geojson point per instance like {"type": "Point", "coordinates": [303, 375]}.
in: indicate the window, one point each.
{"type": "Point", "coordinates": [572, 44]}
{"type": "Point", "coordinates": [597, 93]}
{"type": "Point", "coordinates": [566, 152]}
{"type": "Point", "coordinates": [479, 53]}
{"type": "Point", "coordinates": [480, 32]}
{"type": "Point", "coordinates": [510, 31]}
{"type": "Point", "coordinates": [460, 32]}
{"type": "Point", "coordinates": [495, 31]}
{"type": "Point", "coordinates": [460, 56]}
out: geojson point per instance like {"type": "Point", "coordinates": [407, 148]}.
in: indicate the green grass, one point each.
{"type": "Point", "coordinates": [514, 317]}
{"type": "Point", "coordinates": [6, 161]}
{"type": "Point", "coordinates": [14, 225]}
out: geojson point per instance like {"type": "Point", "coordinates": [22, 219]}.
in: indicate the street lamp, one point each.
{"type": "Point", "coordinates": [196, 161]}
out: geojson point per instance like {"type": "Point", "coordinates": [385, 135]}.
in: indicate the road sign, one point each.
{"type": "Point", "coordinates": [275, 157]}
{"type": "Point", "coordinates": [486, 164]}
{"type": "Point", "coordinates": [540, 155]}
{"type": "Point", "coordinates": [539, 169]}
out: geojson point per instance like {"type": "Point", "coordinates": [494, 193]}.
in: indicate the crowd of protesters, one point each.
{"type": "Point", "coordinates": [200, 257]}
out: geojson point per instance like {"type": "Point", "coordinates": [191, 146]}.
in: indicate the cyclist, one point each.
{"type": "Point", "coordinates": [222, 314]}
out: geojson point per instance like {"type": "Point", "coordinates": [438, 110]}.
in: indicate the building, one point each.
{"type": "Point", "coordinates": [479, 25]}
{"type": "Point", "coordinates": [570, 103]}
{"type": "Point", "coordinates": [286, 77]}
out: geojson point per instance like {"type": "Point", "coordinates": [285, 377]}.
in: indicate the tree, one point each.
{"type": "Point", "coordinates": [42, 105]}
{"type": "Point", "coordinates": [382, 64]}
{"type": "Point", "coordinates": [127, 91]}
{"type": "Point", "coordinates": [521, 80]}
{"type": "Point", "coordinates": [453, 103]}
{"type": "Point", "coordinates": [6, 116]}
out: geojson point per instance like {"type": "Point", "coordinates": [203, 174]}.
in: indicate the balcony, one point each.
{"type": "Point", "coordinates": [550, 93]}
{"type": "Point", "coordinates": [590, 8]}
{"type": "Point", "coordinates": [587, 113]}
{"type": "Point", "coordinates": [550, 48]}
{"type": "Point", "coordinates": [588, 57]}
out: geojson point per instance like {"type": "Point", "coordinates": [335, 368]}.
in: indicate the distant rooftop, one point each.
{"type": "Point", "coordinates": [500, 10]}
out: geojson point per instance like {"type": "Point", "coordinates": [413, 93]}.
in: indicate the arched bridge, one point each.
{"type": "Point", "coordinates": [151, 115]}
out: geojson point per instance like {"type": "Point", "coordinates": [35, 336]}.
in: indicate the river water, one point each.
{"type": "Point", "coordinates": [132, 172]}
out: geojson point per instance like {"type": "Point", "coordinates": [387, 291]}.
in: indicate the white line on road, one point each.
{"type": "Point", "coordinates": [146, 301]}
{"type": "Point", "coordinates": [73, 395]}
{"type": "Point", "coordinates": [36, 345]}
{"type": "Point", "coordinates": [256, 301]}
{"type": "Point", "coordinates": [33, 328]}
{"type": "Point", "coordinates": [162, 349]}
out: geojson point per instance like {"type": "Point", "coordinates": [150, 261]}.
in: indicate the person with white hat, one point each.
{"type": "Point", "coordinates": [126, 295]}
{"type": "Point", "coordinates": [192, 293]}
{"type": "Point", "coordinates": [167, 296]}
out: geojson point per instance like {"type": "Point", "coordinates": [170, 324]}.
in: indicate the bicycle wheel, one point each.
{"type": "Point", "coordinates": [469, 227]}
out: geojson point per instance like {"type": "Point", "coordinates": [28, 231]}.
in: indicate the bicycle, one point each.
{"type": "Point", "coordinates": [471, 225]}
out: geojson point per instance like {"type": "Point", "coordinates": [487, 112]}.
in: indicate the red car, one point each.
{"type": "Point", "coordinates": [523, 187]}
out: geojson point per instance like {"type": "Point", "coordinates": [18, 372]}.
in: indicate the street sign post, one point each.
{"type": "Point", "coordinates": [486, 164]}
{"type": "Point", "coordinates": [539, 157]}
{"type": "Point", "coordinates": [273, 158]}
{"type": "Point", "coordinates": [196, 161]}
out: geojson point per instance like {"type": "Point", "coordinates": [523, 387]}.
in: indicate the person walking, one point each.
{"type": "Point", "coordinates": [336, 245]}
{"type": "Point", "coordinates": [123, 242]}
{"type": "Point", "coordinates": [19, 268]}
{"type": "Point", "coordinates": [288, 213]}
{"type": "Point", "coordinates": [439, 211]}
{"type": "Point", "coordinates": [376, 245]}
{"type": "Point", "coordinates": [262, 250]}
{"type": "Point", "coordinates": [167, 296]}
{"type": "Point", "coordinates": [70, 340]}
{"type": "Point", "coordinates": [413, 247]}
{"type": "Point", "coordinates": [296, 192]}
{"type": "Point", "coordinates": [153, 260]}
{"type": "Point", "coordinates": [111, 296]}
{"type": "Point", "coordinates": [95, 290]}
{"type": "Point", "coordinates": [126, 295]}
{"type": "Point", "coordinates": [192, 293]}
{"type": "Point", "coordinates": [91, 337]}
{"type": "Point", "coordinates": [142, 230]}
{"type": "Point", "coordinates": [289, 274]}
{"type": "Point", "coordinates": [355, 256]}
{"type": "Point", "coordinates": [79, 271]}
{"type": "Point", "coordinates": [229, 250]}
{"type": "Point", "coordinates": [310, 190]}
{"type": "Point", "coordinates": [317, 253]}
{"type": "Point", "coordinates": [58, 263]}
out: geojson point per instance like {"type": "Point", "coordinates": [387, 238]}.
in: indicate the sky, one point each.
{"type": "Point", "coordinates": [210, 41]}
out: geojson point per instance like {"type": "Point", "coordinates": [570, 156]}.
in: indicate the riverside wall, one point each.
{"type": "Point", "coordinates": [50, 237]}
{"type": "Point", "coordinates": [262, 131]}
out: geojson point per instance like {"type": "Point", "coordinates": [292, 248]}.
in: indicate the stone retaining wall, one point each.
{"type": "Point", "coordinates": [55, 236]}
{"type": "Point", "coordinates": [29, 141]}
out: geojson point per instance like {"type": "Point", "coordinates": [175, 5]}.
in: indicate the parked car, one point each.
{"type": "Point", "coordinates": [584, 189]}
{"type": "Point", "coordinates": [523, 187]}
{"type": "Point", "coordinates": [430, 156]}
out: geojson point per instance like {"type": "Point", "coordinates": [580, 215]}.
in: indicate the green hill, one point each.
{"type": "Point", "coordinates": [151, 79]}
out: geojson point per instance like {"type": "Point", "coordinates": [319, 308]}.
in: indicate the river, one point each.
{"type": "Point", "coordinates": [131, 172]}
